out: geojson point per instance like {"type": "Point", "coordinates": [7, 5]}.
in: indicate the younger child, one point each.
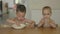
{"type": "Point", "coordinates": [46, 21]}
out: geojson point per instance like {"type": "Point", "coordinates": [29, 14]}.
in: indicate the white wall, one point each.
{"type": "Point", "coordinates": [38, 4]}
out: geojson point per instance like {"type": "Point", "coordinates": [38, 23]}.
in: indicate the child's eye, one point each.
{"type": "Point", "coordinates": [46, 14]}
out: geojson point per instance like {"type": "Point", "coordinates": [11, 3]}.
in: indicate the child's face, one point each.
{"type": "Point", "coordinates": [20, 15]}
{"type": "Point", "coordinates": [46, 13]}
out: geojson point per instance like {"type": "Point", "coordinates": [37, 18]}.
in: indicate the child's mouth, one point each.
{"type": "Point", "coordinates": [21, 19]}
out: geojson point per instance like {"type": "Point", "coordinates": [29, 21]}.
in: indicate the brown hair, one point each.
{"type": "Point", "coordinates": [20, 8]}
{"type": "Point", "coordinates": [46, 7]}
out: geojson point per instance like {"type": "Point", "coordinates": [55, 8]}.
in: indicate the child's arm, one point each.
{"type": "Point", "coordinates": [13, 21]}
{"type": "Point", "coordinates": [41, 23]}
{"type": "Point", "coordinates": [31, 23]}
{"type": "Point", "coordinates": [10, 21]}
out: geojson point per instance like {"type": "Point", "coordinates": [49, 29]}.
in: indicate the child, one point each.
{"type": "Point", "coordinates": [20, 17]}
{"type": "Point", "coordinates": [46, 21]}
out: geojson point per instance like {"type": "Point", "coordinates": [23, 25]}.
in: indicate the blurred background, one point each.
{"type": "Point", "coordinates": [34, 9]}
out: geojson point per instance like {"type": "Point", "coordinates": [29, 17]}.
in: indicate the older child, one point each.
{"type": "Point", "coordinates": [20, 17]}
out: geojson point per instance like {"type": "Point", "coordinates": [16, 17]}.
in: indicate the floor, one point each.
{"type": "Point", "coordinates": [30, 31]}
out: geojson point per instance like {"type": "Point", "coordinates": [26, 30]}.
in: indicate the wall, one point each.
{"type": "Point", "coordinates": [38, 4]}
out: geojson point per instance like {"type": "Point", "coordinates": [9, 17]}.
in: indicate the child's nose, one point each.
{"type": "Point", "coordinates": [46, 16]}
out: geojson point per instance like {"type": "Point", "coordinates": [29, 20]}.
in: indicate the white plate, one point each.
{"type": "Point", "coordinates": [18, 27]}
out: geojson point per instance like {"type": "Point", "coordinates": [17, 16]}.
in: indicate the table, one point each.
{"type": "Point", "coordinates": [30, 31]}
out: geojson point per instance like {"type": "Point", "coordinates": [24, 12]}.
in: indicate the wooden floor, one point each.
{"type": "Point", "coordinates": [30, 31]}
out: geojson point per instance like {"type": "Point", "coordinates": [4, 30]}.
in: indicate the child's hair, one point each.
{"type": "Point", "coordinates": [21, 8]}
{"type": "Point", "coordinates": [46, 7]}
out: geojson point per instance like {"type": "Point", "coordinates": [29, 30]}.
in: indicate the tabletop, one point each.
{"type": "Point", "coordinates": [30, 31]}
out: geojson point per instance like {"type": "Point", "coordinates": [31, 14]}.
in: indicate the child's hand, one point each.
{"type": "Point", "coordinates": [41, 23]}
{"type": "Point", "coordinates": [31, 24]}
